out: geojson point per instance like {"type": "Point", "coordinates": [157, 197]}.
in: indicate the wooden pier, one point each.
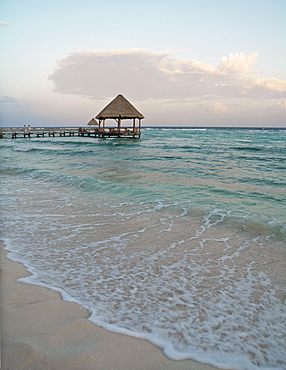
{"type": "Point", "coordinates": [106, 132]}
{"type": "Point", "coordinates": [118, 109]}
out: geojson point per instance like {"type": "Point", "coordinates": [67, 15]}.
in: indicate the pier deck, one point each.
{"type": "Point", "coordinates": [110, 132]}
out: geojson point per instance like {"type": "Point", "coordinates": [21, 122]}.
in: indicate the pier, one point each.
{"type": "Point", "coordinates": [119, 109]}
{"type": "Point", "coordinates": [106, 132]}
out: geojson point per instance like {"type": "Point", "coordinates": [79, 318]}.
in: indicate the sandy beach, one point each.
{"type": "Point", "coordinates": [41, 331]}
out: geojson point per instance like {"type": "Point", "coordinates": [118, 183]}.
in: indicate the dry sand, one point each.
{"type": "Point", "coordinates": [40, 331]}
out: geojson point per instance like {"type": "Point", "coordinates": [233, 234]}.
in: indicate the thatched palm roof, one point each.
{"type": "Point", "coordinates": [121, 108]}
{"type": "Point", "coordinates": [92, 122]}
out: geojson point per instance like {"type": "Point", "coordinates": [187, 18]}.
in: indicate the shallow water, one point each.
{"type": "Point", "coordinates": [178, 237]}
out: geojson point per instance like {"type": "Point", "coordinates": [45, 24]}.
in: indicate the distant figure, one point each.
{"type": "Point", "coordinates": [29, 128]}
{"type": "Point", "coordinates": [25, 129]}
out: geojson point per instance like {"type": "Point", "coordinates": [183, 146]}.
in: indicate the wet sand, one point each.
{"type": "Point", "coordinates": [41, 331]}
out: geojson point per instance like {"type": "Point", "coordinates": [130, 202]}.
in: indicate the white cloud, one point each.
{"type": "Point", "coordinates": [218, 108]}
{"type": "Point", "coordinates": [5, 24]}
{"type": "Point", "coordinates": [238, 63]}
{"type": "Point", "coordinates": [282, 104]}
{"type": "Point", "coordinates": [145, 74]}
{"type": "Point", "coordinates": [270, 83]}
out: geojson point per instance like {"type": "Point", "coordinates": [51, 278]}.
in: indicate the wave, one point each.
{"type": "Point", "coordinates": [128, 196]}
{"type": "Point", "coordinates": [23, 149]}
{"type": "Point", "coordinates": [195, 282]}
{"type": "Point", "coordinates": [248, 148]}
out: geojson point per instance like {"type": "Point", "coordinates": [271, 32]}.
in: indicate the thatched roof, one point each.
{"type": "Point", "coordinates": [119, 107]}
{"type": "Point", "coordinates": [92, 122]}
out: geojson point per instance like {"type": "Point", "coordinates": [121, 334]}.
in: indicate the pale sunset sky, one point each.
{"type": "Point", "coordinates": [179, 62]}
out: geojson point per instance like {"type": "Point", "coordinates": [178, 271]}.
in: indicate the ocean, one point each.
{"type": "Point", "coordinates": [178, 237]}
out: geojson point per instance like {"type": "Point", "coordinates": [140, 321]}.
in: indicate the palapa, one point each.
{"type": "Point", "coordinates": [119, 108]}
{"type": "Point", "coordinates": [92, 122]}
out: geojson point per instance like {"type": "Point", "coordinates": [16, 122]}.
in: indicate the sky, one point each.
{"type": "Point", "coordinates": [179, 62]}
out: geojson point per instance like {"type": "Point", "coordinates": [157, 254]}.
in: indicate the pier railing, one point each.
{"type": "Point", "coordinates": [81, 131]}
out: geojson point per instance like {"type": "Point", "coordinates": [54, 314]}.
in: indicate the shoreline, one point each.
{"type": "Point", "coordinates": [41, 331]}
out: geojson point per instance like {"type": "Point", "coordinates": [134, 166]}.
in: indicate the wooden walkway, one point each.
{"type": "Point", "coordinates": [107, 132]}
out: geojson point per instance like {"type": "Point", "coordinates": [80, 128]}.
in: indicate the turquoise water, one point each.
{"type": "Point", "coordinates": [178, 237]}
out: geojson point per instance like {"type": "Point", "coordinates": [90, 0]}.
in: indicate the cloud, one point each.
{"type": "Point", "coordinates": [218, 108]}
{"type": "Point", "coordinates": [276, 73]}
{"type": "Point", "coordinates": [238, 63]}
{"type": "Point", "coordinates": [8, 100]}
{"type": "Point", "coordinates": [5, 24]}
{"type": "Point", "coordinates": [281, 104]}
{"type": "Point", "coordinates": [270, 83]}
{"type": "Point", "coordinates": [145, 74]}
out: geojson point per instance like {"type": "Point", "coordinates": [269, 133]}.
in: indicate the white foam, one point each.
{"type": "Point", "coordinates": [192, 282]}
{"type": "Point", "coordinates": [22, 149]}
